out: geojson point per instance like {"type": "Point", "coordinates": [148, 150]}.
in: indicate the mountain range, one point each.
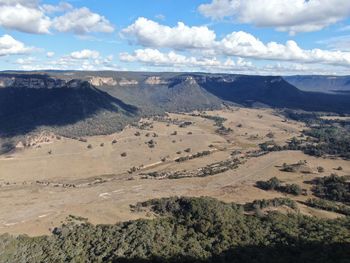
{"type": "Point", "coordinates": [87, 103]}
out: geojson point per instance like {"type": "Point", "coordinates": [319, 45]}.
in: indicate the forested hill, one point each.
{"type": "Point", "coordinates": [191, 230]}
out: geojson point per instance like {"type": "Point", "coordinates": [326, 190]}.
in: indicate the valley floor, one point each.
{"type": "Point", "coordinates": [100, 177]}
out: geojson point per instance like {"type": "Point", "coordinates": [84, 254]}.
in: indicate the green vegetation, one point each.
{"type": "Point", "coordinates": [272, 184]}
{"type": "Point", "coordinates": [193, 156]}
{"type": "Point", "coordinates": [275, 184]}
{"type": "Point", "coordinates": [329, 140]}
{"type": "Point", "coordinates": [189, 230]}
{"type": "Point", "coordinates": [333, 187]}
{"type": "Point", "coordinates": [324, 137]}
{"type": "Point", "coordinates": [276, 202]}
{"type": "Point", "coordinates": [329, 206]}
{"type": "Point", "coordinates": [219, 121]}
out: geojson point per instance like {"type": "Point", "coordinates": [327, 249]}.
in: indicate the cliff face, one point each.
{"type": "Point", "coordinates": [326, 84]}
{"type": "Point", "coordinates": [67, 107]}
{"type": "Point", "coordinates": [30, 81]}
{"type": "Point", "coordinates": [89, 103]}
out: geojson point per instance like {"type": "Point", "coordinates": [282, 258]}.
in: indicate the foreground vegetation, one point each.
{"type": "Point", "coordinates": [191, 230]}
{"type": "Point", "coordinates": [333, 187]}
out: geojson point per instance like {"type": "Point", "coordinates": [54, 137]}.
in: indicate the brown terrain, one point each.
{"type": "Point", "coordinates": [99, 177]}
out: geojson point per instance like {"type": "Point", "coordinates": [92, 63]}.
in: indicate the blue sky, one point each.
{"type": "Point", "coordinates": [270, 37]}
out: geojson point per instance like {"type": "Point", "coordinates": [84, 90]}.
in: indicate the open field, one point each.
{"type": "Point", "coordinates": [99, 177]}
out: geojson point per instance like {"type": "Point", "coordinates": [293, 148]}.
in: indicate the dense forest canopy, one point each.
{"type": "Point", "coordinates": [191, 230]}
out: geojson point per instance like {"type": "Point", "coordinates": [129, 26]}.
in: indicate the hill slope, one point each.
{"type": "Point", "coordinates": [326, 84]}
{"type": "Point", "coordinates": [73, 108]}
{"type": "Point", "coordinates": [89, 103]}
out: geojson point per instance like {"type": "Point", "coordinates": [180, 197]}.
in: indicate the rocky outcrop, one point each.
{"type": "Point", "coordinates": [155, 80]}
{"type": "Point", "coordinates": [128, 82]}
{"type": "Point", "coordinates": [101, 81]}
{"type": "Point", "coordinates": [6, 81]}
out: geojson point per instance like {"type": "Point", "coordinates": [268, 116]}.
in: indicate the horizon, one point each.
{"type": "Point", "coordinates": [168, 72]}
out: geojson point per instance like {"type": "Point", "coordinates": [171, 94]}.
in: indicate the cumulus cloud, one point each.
{"type": "Point", "coordinates": [246, 45]}
{"type": "Point", "coordinates": [24, 18]}
{"type": "Point", "coordinates": [156, 58]}
{"type": "Point", "coordinates": [83, 60]}
{"type": "Point", "coordinates": [292, 16]}
{"type": "Point", "coordinates": [11, 46]}
{"type": "Point", "coordinates": [30, 17]}
{"type": "Point", "coordinates": [29, 3]}
{"type": "Point", "coordinates": [152, 34]}
{"type": "Point", "coordinates": [50, 54]}
{"type": "Point", "coordinates": [25, 61]}
{"type": "Point", "coordinates": [172, 61]}
{"type": "Point", "coordinates": [85, 54]}
{"type": "Point", "coordinates": [82, 21]}
{"type": "Point", "coordinates": [61, 7]}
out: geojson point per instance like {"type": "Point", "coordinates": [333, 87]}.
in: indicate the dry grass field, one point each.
{"type": "Point", "coordinates": [93, 178]}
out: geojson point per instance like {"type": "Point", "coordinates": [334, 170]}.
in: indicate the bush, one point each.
{"type": "Point", "coordinates": [271, 184]}
{"type": "Point", "coordinates": [187, 150]}
{"type": "Point", "coordinates": [275, 184]}
{"type": "Point", "coordinates": [293, 189]}
{"type": "Point", "coordinates": [320, 169]}
{"type": "Point", "coordinates": [333, 187]}
{"type": "Point", "coordinates": [328, 206]}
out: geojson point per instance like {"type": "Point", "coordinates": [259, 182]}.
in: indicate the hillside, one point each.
{"type": "Point", "coordinates": [90, 103]}
{"type": "Point", "coordinates": [73, 108]}
{"type": "Point", "coordinates": [154, 92]}
{"type": "Point", "coordinates": [326, 84]}
{"type": "Point", "coordinates": [275, 92]}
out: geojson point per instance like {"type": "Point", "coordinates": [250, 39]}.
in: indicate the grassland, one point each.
{"type": "Point", "coordinates": [99, 177]}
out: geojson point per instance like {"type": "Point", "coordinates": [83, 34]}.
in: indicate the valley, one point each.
{"type": "Point", "coordinates": [99, 177]}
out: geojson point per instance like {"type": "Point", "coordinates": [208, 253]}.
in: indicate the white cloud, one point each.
{"type": "Point", "coordinates": [11, 46]}
{"type": "Point", "coordinates": [83, 60]}
{"type": "Point", "coordinates": [241, 44]}
{"type": "Point", "coordinates": [246, 45]}
{"type": "Point", "coordinates": [160, 17]}
{"type": "Point", "coordinates": [61, 7]}
{"type": "Point", "coordinates": [82, 21]}
{"type": "Point", "coordinates": [24, 18]}
{"type": "Point", "coordinates": [285, 15]}
{"type": "Point", "coordinates": [154, 57]}
{"type": "Point", "coordinates": [50, 54]}
{"type": "Point", "coordinates": [85, 54]}
{"type": "Point", "coordinates": [25, 61]}
{"type": "Point", "coordinates": [30, 17]}
{"type": "Point", "coordinates": [152, 34]}
{"type": "Point", "coordinates": [29, 3]}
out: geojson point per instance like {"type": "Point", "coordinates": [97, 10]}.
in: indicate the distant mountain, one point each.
{"type": "Point", "coordinates": [89, 103]}
{"type": "Point", "coordinates": [326, 84]}
{"type": "Point", "coordinates": [275, 92]}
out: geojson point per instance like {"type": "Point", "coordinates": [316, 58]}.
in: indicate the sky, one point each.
{"type": "Point", "coordinates": [266, 37]}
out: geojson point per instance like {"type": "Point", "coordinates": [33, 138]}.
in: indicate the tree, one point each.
{"type": "Point", "coordinates": [188, 150]}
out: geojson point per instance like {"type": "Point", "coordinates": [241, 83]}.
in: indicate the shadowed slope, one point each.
{"type": "Point", "coordinates": [23, 109]}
